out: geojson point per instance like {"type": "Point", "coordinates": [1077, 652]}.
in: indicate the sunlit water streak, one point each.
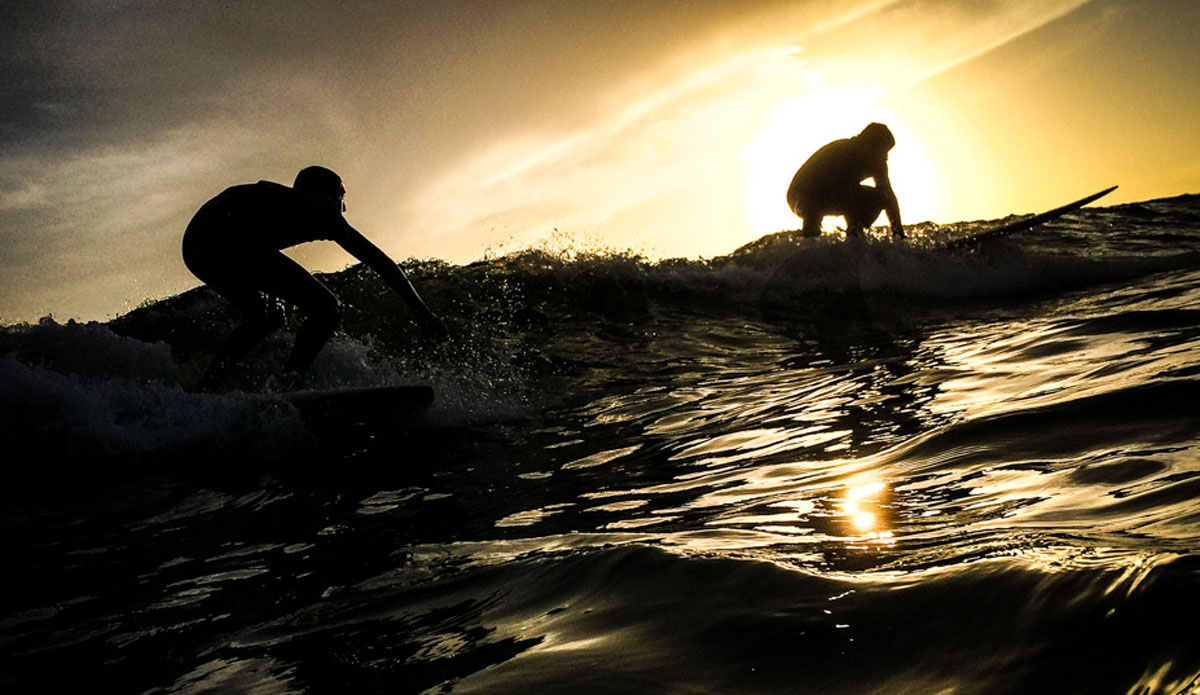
{"type": "Point", "coordinates": [646, 478]}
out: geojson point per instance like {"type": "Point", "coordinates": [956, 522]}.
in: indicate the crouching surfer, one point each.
{"type": "Point", "coordinates": [234, 245]}
{"type": "Point", "coordinates": [830, 182]}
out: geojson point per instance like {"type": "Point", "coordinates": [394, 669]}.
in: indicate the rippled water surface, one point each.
{"type": "Point", "coordinates": [824, 467]}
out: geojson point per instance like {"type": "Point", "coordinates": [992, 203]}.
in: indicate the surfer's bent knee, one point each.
{"type": "Point", "coordinates": [325, 310]}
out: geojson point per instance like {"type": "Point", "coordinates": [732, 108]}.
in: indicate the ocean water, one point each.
{"type": "Point", "coordinates": [810, 466]}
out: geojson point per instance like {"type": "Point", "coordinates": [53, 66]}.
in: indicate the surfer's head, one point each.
{"type": "Point", "coordinates": [877, 136]}
{"type": "Point", "coordinates": [322, 183]}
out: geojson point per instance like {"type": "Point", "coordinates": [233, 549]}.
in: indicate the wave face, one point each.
{"type": "Point", "coordinates": [807, 466]}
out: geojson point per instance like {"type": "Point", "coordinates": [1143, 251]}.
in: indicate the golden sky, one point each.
{"type": "Point", "coordinates": [462, 129]}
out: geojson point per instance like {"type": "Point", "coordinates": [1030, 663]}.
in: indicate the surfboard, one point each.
{"type": "Point", "coordinates": [974, 240]}
{"type": "Point", "coordinates": [368, 407]}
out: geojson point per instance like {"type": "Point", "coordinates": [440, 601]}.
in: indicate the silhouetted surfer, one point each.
{"type": "Point", "coordinates": [830, 183]}
{"type": "Point", "coordinates": [234, 243]}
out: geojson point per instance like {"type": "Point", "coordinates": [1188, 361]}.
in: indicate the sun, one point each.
{"type": "Point", "coordinates": [798, 128]}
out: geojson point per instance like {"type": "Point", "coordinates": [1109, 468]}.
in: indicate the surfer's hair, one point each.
{"type": "Point", "coordinates": [319, 181]}
{"type": "Point", "coordinates": [878, 133]}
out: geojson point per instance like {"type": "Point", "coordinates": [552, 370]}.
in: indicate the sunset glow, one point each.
{"type": "Point", "coordinates": [804, 125]}
{"type": "Point", "coordinates": [864, 510]}
{"type": "Point", "coordinates": [466, 131]}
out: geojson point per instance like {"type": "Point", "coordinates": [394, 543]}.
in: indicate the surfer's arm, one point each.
{"type": "Point", "coordinates": [361, 248]}
{"type": "Point", "coordinates": [890, 204]}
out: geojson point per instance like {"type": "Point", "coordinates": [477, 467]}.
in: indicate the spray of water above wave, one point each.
{"type": "Point", "coordinates": [116, 387]}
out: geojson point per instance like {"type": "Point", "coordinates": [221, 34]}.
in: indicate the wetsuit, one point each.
{"type": "Point", "coordinates": [830, 183]}
{"type": "Point", "coordinates": [233, 244]}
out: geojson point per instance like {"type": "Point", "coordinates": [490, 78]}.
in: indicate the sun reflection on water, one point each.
{"type": "Point", "coordinates": [864, 508]}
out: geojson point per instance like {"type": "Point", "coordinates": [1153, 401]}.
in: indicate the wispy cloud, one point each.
{"type": "Point", "coordinates": [455, 123]}
{"type": "Point", "coordinates": [683, 135]}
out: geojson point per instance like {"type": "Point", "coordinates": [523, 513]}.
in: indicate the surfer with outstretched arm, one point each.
{"type": "Point", "coordinates": [234, 245]}
{"type": "Point", "coordinates": [831, 183]}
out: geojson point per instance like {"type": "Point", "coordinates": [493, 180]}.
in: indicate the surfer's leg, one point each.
{"type": "Point", "coordinates": [264, 316]}
{"type": "Point", "coordinates": [866, 206]}
{"type": "Point", "coordinates": [286, 279]}
{"type": "Point", "coordinates": [810, 222]}
{"type": "Point", "coordinates": [207, 253]}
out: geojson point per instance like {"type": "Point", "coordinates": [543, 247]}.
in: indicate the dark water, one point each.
{"type": "Point", "coordinates": [817, 467]}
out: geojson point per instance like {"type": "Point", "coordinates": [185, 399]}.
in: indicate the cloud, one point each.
{"type": "Point", "coordinates": [79, 225]}
{"type": "Point", "coordinates": [674, 134]}
{"type": "Point", "coordinates": [447, 119]}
